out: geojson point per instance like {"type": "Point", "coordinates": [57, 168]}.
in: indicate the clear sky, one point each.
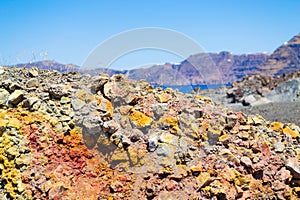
{"type": "Point", "coordinates": [68, 30]}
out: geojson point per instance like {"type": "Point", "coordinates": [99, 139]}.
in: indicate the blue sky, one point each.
{"type": "Point", "coordinates": [68, 30]}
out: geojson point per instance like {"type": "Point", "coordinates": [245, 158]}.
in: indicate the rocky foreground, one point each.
{"type": "Point", "coordinates": [72, 136]}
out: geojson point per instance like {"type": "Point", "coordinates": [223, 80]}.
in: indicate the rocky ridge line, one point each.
{"type": "Point", "coordinates": [112, 138]}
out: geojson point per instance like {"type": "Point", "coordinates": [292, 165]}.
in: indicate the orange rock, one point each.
{"type": "Point", "coordinates": [163, 98]}
{"type": "Point", "coordinates": [276, 126]}
{"type": "Point", "coordinates": [223, 138]}
{"type": "Point", "coordinates": [288, 130]}
{"type": "Point", "coordinates": [202, 179]}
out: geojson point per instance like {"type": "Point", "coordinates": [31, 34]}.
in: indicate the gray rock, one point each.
{"type": "Point", "coordinates": [77, 104]}
{"type": "Point", "coordinates": [261, 101]}
{"type": "Point", "coordinates": [44, 96]}
{"type": "Point", "coordinates": [125, 142]}
{"type": "Point", "coordinates": [32, 83]}
{"type": "Point", "coordinates": [110, 127]}
{"type": "Point", "coordinates": [65, 110]}
{"type": "Point", "coordinates": [152, 144]}
{"type": "Point", "coordinates": [98, 82]}
{"type": "Point", "coordinates": [2, 70]}
{"type": "Point", "coordinates": [57, 91]}
{"type": "Point", "coordinates": [286, 91]}
{"type": "Point", "coordinates": [293, 166]}
{"type": "Point", "coordinates": [14, 86]}
{"type": "Point", "coordinates": [248, 100]}
{"type": "Point", "coordinates": [263, 91]}
{"type": "Point", "coordinates": [91, 130]}
{"type": "Point", "coordinates": [91, 125]}
{"type": "Point", "coordinates": [30, 101]}
{"type": "Point", "coordinates": [164, 150]}
{"type": "Point", "coordinates": [43, 107]}
{"type": "Point", "coordinates": [3, 96]}
{"type": "Point", "coordinates": [65, 100]}
{"type": "Point", "coordinates": [65, 118]}
{"type": "Point", "coordinates": [107, 89]}
{"type": "Point", "coordinates": [279, 147]}
{"type": "Point", "coordinates": [33, 72]}
{"type": "Point", "coordinates": [159, 109]}
{"type": "Point", "coordinates": [136, 135]}
{"type": "Point", "coordinates": [16, 97]}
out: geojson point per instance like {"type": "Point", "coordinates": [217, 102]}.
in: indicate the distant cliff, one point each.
{"type": "Point", "coordinates": [203, 68]}
{"type": "Point", "coordinates": [212, 68]}
{"type": "Point", "coordinates": [284, 60]}
{"type": "Point", "coordinates": [197, 69]}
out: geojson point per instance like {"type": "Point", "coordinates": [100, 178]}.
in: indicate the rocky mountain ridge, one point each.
{"type": "Point", "coordinates": [203, 68]}
{"type": "Point", "coordinates": [284, 60]}
{"type": "Point", "coordinates": [230, 68]}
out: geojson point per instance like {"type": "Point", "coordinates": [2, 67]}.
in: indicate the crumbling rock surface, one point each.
{"type": "Point", "coordinates": [80, 137]}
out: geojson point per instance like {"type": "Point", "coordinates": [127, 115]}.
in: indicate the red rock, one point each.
{"type": "Point", "coordinates": [283, 174]}
{"type": "Point", "coordinates": [116, 186]}
{"type": "Point", "coordinates": [265, 150]}
{"type": "Point", "coordinates": [171, 185]}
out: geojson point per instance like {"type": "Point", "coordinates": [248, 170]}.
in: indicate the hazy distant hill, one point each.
{"type": "Point", "coordinates": [53, 65]}
{"type": "Point", "coordinates": [284, 60]}
{"type": "Point", "coordinates": [50, 65]}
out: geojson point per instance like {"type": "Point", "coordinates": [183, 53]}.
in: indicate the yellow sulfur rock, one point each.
{"type": "Point", "coordinates": [14, 122]}
{"type": "Point", "coordinates": [242, 181]}
{"type": "Point", "coordinates": [198, 97]}
{"type": "Point", "coordinates": [223, 138]}
{"type": "Point", "coordinates": [2, 114]}
{"type": "Point", "coordinates": [203, 98]}
{"type": "Point", "coordinates": [287, 130]}
{"type": "Point", "coordinates": [3, 122]}
{"type": "Point", "coordinates": [202, 179]}
{"type": "Point", "coordinates": [133, 156]}
{"type": "Point", "coordinates": [276, 126]}
{"type": "Point", "coordinates": [172, 122]}
{"type": "Point", "coordinates": [139, 119]}
{"type": "Point", "coordinates": [227, 153]}
{"type": "Point", "coordinates": [215, 188]}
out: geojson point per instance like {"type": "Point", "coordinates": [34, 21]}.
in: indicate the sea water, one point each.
{"type": "Point", "coordinates": [191, 88]}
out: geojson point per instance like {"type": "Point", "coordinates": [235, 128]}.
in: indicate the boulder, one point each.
{"type": "Point", "coordinates": [32, 83]}
{"type": "Point", "coordinates": [3, 96]}
{"type": "Point", "coordinates": [248, 100]}
{"type": "Point", "coordinates": [16, 97]}
{"type": "Point", "coordinates": [285, 91]}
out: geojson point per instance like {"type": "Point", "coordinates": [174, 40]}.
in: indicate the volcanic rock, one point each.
{"type": "Point", "coordinates": [16, 97]}
{"type": "Point", "coordinates": [64, 140]}
{"type": "Point", "coordinates": [3, 96]}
